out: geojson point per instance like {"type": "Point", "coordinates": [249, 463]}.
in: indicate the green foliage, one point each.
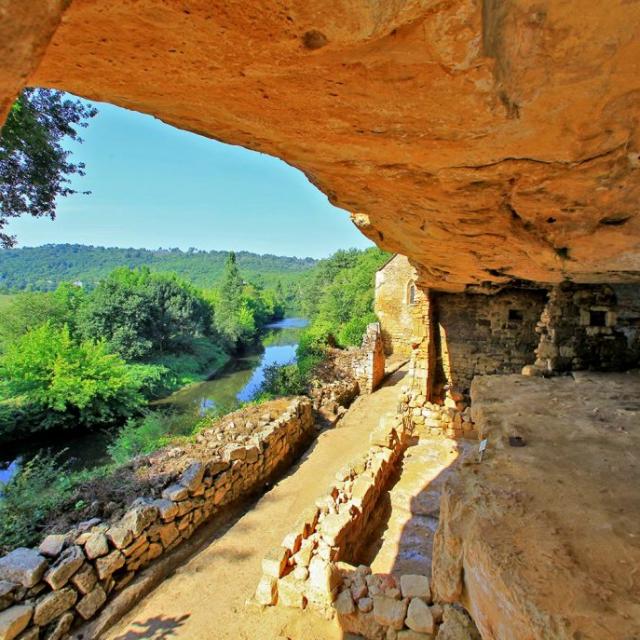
{"type": "Point", "coordinates": [30, 310]}
{"type": "Point", "coordinates": [34, 166]}
{"type": "Point", "coordinates": [43, 268]}
{"type": "Point", "coordinates": [71, 384]}
{"type": "Point", "coordinates": [240, 309]}
{"type": "Point", "coordinates": [143, 314]}
{"type": "Point", "coordinates": [339, 303]}
{"type": "Point", "coordinates": [339, 299]}
{"type": "Point", "coordinates": [40, 487]}
{"type": "Point", "coordinates": [145, 435]}
{"type": "Point", "coordinates": [283, 380]}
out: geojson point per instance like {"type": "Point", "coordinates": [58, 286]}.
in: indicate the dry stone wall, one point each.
{"type": "Point", "coordinates": [69, 578]}
{"type": "Point", "coordinates": [589, 327]}
{"type": "Point", "coordinates": [311, 568]}
{"type": "Point", "coordinates": [368, 366]}
{"type": "Point", "coordinates": [483, 334]}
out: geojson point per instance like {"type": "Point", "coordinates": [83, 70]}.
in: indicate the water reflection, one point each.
{"type": "Point", "coordinates": [238, 382]}
{"type": "Point", "coordinates": [241, 379]}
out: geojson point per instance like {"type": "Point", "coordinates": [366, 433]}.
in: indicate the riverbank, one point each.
{"type": "Point", "coordinates": [229, 384]}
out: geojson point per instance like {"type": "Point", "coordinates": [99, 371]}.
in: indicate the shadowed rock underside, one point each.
{"type": "Point", "coordinates": [491, 141]}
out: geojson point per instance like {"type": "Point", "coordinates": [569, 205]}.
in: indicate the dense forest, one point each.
{"type": "Point", "coordinates": [44, 268]}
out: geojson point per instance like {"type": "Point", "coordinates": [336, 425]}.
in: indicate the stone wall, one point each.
{"type": "Point", "coordinates": [479, 334]}
{"type": "Point", "coordinates": [68, 579]}
{"type": "Point", "coordinates": [590, 327]}
{"type": "Point", "coordinates": [311, 568]}
{"type": "Point", "coordinates": [368, 366]}
{"type": "Point", "coordinates": [400, 306]}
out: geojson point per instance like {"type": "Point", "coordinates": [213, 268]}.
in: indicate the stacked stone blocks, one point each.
{"type": "Point", "coordinates": [70, 577]}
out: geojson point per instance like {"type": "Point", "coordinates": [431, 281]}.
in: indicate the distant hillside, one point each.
{"type": "Point", "coordinates": [43, 268]}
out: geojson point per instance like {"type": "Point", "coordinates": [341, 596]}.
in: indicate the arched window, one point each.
{"type": "Point", "coordinates": [411, 293]}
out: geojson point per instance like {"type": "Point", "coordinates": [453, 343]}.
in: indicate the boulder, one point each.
{"type": "Point", "coordinates": [14, 620]}
{"type": "Point", "coordinates": [24, 566]}
{"type": "Point", "coordinates": [68, 562]}
{"type": "Point", "coordinates": [53, 605]}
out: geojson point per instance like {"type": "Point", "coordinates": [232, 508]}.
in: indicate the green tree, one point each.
{"type": "Point", "coordinates": [143, 314]}
{"type": "Point", "coordinates": [232, 319]}
{"type": "Point", "coordinates": [73, 384]}
{"type": "Point", "coordinates": [34, 167]}
{"type": "Point", "coordinates": [33, 309]}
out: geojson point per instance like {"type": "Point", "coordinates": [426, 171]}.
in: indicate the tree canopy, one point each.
{"type": "Point", "coordinates": [34, 166]}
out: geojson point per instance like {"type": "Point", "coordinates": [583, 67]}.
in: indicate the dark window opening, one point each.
{"type": "Point", "coordinates": [412, 294]}
{"type": "Point", "coordinates": [515, 315]}
{"type": "Point", "coordinates": [598, 318]}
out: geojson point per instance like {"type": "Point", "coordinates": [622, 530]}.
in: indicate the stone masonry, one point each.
{"type": "Point", "coordinates": [70, 577]}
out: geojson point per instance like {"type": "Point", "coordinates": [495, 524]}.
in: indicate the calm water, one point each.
{"type": "Point", "coordinates": [239, 381]}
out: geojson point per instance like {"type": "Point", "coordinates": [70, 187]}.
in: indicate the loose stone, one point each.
{"type": "Point", "coordinates": [62, 626]}
{"type": "Point", "coordinates": [267, 591]}
{"type": "Point", "coordinates": [53, 605]}
{"type": "Point", "coordinates": [415, 586]}
{"type": "Point", "coordinates": [419, 617]}
{"type": "Point", "coordinates": [24, 566]}
{"type": "Point", "coordinates": [14, 620]}
{"type": "Point", "coordinates": [96, 546]}
{"type": "Point", "coordinates": [52, 545]}
{"type": "Point", "coordinates": [68, 562]}
{"type": "Point", "coordinates": [110, 563]}
{"type": "Point", "coordinates": [389, 612]}
{"type": "Point", "coordinates": [175, 492]}
{"type": "Point", "coordinates": [344, 603]}
{"type": "Point", "coordinates": [192, 476]}
{"type": "Point", "coordinates": [84, 579]}
{"type": "Point", "coordinates": [91, 602]}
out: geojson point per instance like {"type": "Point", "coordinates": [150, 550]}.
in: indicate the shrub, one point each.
{"type": "Point", "coordinates": [283, 380]}
{"type": "Point", "coordinates": [41, 486]}
{"type": "Point", "coordinates": [150, 433]}
{"type": "Point", "coordinates": [70, 384]}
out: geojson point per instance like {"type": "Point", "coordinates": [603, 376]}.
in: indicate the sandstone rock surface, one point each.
{"type": "Point", "coordinates": [538, 541]}
{"type": "Point", "coordinates": [506, 129]}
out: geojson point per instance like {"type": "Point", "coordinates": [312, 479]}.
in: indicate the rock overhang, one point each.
{"type": "Point", "coordinates": [488, 141]}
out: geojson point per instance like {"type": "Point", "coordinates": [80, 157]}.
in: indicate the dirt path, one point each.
{"type": "Point", "coordinates": [205, 599]}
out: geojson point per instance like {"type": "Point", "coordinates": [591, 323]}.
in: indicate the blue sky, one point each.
{"type": "Point", "coordinates": [156, 186]}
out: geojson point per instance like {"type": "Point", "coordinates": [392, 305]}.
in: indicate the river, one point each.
{"type": "Point", "coordinates": [239, 381]}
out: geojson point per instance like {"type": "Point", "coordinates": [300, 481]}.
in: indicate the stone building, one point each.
{"type": "Point", "coordinates": [452, 337]}
{"type": "Point", "coordinates": [401, 306]}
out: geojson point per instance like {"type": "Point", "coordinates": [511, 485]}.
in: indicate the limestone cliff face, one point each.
{"type": "Point", "coordinates": [487, 141]}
